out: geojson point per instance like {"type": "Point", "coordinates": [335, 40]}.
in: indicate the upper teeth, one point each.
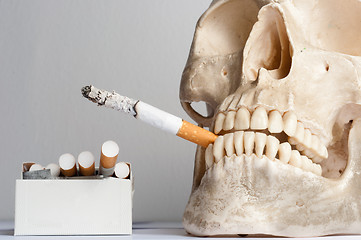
{"type": "Point", "coordinates": [289, 123]}
{"type": "Point", "coordinates": [275, 123]}
{"type": "Point", "coordinates": [259, 119]}
{"type": "Point", "coordinates": [249, 142]}
{"type": "Point", "coordinates": [299, 136]}
{"type": "Point", "coordinates": [243, 117]}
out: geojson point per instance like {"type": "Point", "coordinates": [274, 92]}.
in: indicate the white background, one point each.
{"type": "Point", "coordinates": [50, 49]}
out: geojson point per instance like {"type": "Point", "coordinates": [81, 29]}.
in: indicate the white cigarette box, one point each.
{"type": "Point", "coordinates": [73, 206]}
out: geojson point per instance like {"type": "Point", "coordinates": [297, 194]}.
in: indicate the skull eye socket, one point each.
{"type": "Point", "coordinates": [225, 27]}
{"type": "Point", "coordinates": [202, 108]}
{"type": "Point", "coordinates": [201, 112]}
{"type": "Point", "coordinates": [333, 25]}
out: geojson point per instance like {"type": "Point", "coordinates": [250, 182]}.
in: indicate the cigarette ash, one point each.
{"type": "Point", "coordinates": [109, 99]}
{"type": "Point", "coordinates": [85, 91]}
{"type": "Point", "coordinates": [95, 95]}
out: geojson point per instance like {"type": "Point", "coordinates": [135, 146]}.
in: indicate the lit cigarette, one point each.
{"type": "Point", "coordinates": [67, 165]}
{"type": "Point", "coordinates": [108, 158]}
{"type": "Point", "coordinates": [86, 163]}
{"type": "Point", "coordinates": [150, 115]}
{"type": "Point", "coordinates": [36, 167]}
{"type": "Point", "coordinates": [121, 170]}
{"type": "Point", "coordinates": [54, 169]}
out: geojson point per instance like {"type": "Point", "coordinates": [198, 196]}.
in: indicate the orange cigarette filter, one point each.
{"type": "Point", "coordinates": [109, 154]}
{"type": "Point", "coordinates": [87, 171]}
{"type": "Point", "coordinates": [196, 134]}
{"type": "Point", "coordinates": [69, 172]}
{"type": "Point", "coordinates": [67, 165]}
{"type": "Point", "coordinates": [108, 162]}
{"type": "Point", "coordinates": [86, 163]}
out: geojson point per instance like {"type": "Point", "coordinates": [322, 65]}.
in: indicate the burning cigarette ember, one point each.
{"type": "Point", "coordinates": [67, 165]}
{"type": "Point", "coordinates": [108, 158]}
{"type": "Point", "coordinates": [121, 170]}
{"type": "Point", "coordinates": [150, 115]}
{"type": "Point", "coordinates": [86, 163]}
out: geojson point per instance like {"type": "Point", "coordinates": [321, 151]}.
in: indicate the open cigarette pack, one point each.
{"type": "Point", "coordinates": [73, 206]}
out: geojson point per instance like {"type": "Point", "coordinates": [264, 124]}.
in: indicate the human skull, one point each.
{"type": "Point", "coordinates": [281, 81]}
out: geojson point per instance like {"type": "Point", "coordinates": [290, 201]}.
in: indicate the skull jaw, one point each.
{"type": "Point", "coordinates": [248, 195]}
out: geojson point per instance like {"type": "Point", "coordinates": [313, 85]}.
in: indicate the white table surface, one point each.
{"type": "Point", "coordinates": [145, 230]}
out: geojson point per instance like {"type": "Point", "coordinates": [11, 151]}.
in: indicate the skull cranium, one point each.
{"type": "Point", "coordinates": [282, 85]}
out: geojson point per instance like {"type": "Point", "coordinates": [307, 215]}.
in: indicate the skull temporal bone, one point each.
{"type": "Point", "coordinates": [300, 59]}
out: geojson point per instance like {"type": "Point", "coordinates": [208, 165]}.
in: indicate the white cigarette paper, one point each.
{"type": "Point", "coordinates": [36, 167]}
{"type": "Point", "coordinates": [67, 165]}
{"type": "Point", "coordinates": [86, 163]}
{"type": "Point", "coordinates": [121, 170]}
{"type": "Point", "coordinates": [54, 169]}
{"type": "Point", "coordinates": [158, 118]}
{"type": "Point", "coordinates": [106, 172]}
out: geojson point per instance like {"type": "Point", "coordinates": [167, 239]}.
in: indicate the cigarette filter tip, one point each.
{"type": "Point", "coordinates": [86, 163]}
{"type": "Point", "coordinates": [196, 134]}
{"type": "Point", "coordinates": [121, 170]}
{"type": "Point", "coordinates": [67, 165]}
{"type": "Point", "coordinates": [36, 167]}
{"type": "Point", "coordinates": [109, 154]}
{"type": "Point", "coordinates": [54, 169]}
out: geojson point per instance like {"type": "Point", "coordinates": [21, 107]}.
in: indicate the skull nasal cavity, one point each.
{"type": "Point", "coordinates": [268, 47]}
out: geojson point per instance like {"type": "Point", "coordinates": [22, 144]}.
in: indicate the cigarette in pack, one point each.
{"type": "Point", "coordinates": [37, 171]}
{"type": "Point", "coordinates": [122, 170]}
{"type": "Point", "coordinates": [36, 167]}
{"type": "Point", "coordinates": [108, 158]}
{"type": "Point", "coordinates": [54, 169]}
{"type": "Point", "coordinates": [67, 165]}
{"type": "Point", "coordinates": [150, 115]}
{"type": "Point", "coordinates": [86, 164]}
